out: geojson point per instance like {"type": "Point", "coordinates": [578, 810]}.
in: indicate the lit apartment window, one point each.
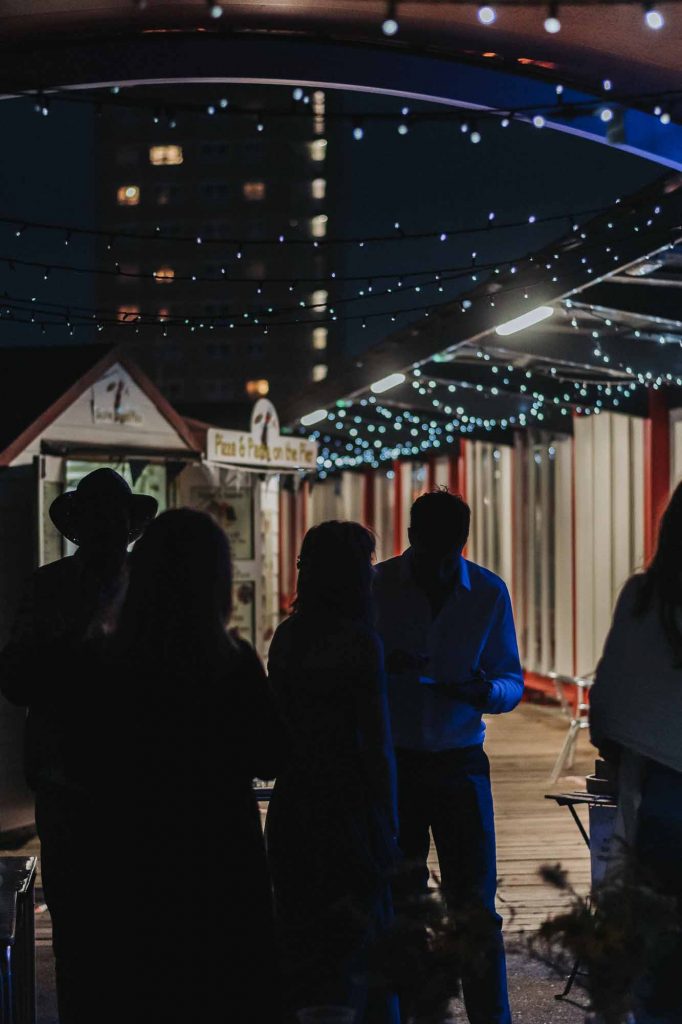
{"type": "Point", "coordinates": [253, 190]}
{"type": "Point", "coordinates": [164, 275]}
{"type": "Point", "coordinates": [318, 188]}
{"type": "Point", "coordinates": [164, 314]}
{"type": "Point", "coordinates": [257, 388]}
{"type": "Point", "coordinates": [319, 299]}
{"type": "Point", "coordinates": [126, 155]}
{"type": "Point", "coordinates": [127, 314]}
{"type": "Point", "coordinates": [318, 225]}
{"type": "Point", "coordinates": [320, 339]}
{"type": "Point", "coordinates": [318, 112]}
{"type": "Point", "coordinates": [165, 155]}
{"type": "Point", "coordinates": [128, 195]}
{"type": "Point", "coordinates": [166, 194]}
{"type": "Point", "coordinates": [320, 372]}
{"type": "Point", "coordinates": [317, 149]}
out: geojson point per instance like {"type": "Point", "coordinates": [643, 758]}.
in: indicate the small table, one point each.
{"type": "Point", "coordinates": [17, 939]}
{"type": "Point", "coordinates": [573, 800]}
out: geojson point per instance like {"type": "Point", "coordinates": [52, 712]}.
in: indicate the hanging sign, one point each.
{"type": "Point", "coordinates": [263, 446]}
{"type": "Point", "coordinates": [113, 400]}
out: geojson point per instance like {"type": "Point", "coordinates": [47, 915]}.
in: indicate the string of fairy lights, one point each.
{"type": "Point", "coordinates": [239, 246]}
{"type": "Point", "coordinates": [397, 432]}
{"type": "Point", "coordinates": [487, 14]}
{"type": "Point", "coordinates": [568, 104]}
{"type": "Point", "coordinates": [544, 269]}
{"type": "Point", "coordinates": [558, 391]}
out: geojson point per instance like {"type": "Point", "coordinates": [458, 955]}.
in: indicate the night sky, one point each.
{"type": "Point", "coordinates": [430, 179]}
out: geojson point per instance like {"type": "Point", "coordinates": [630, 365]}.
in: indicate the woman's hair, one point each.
{"type": "Point", "coordinates": [335, 571]}
{"type": "Point", "coordinates": [662, 581]}
{"type": "Point", "coordinates": [180, 592]}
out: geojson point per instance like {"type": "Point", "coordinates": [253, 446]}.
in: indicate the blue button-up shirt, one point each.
{"type": "Point", "coordinates": [474, 631]}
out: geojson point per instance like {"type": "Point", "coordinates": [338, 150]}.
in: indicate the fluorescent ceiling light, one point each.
{"type": "Point", "coordinates": [314, 417]}
{"type": "Point", "coordinates": [386, 383]}
{"type": "Point", "coordinates": [533, 316]}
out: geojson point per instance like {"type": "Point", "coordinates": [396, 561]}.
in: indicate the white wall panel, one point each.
{"type": "Point", "coordinates": [563, 547]}
{"type": "Point", "coordinates": [584, 539]}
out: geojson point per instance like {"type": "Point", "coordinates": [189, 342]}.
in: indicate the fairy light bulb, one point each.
{"type": "Point", "coordinates": [390, 25]}
{"type": "Point", "coordinates": [486, 15]}
{"type": "Point", "coordinates": [552, 23]}
{"type": "Point", "coordinates": [653, 18]}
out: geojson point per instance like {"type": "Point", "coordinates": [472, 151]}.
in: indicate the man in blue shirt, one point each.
{"type": "Point", "coordinates": [452, 656]}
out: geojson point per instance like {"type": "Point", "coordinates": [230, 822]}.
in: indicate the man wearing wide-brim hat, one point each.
{"type": "Point", "coordinates": [70, 601]}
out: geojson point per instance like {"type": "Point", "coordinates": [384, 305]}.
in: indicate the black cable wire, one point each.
{"type": "Point", "coordinates": [398, 235]}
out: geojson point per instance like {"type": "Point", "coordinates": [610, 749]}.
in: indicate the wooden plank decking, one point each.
{"type": "Point", "coordinates": [530, 830]}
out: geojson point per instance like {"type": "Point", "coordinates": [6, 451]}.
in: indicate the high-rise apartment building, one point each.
{"type": "Point", "coordinates": [231, 167]}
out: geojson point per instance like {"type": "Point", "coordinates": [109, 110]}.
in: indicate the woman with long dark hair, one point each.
{"type": "Point", "coordinates": [332, 818]}
{"type": "Point", "coordinates": [198, 727]}
{"type": "Point", "coordinates": [636, 720]}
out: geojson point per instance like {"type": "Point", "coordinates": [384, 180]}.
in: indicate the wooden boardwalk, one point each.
{"type": "Point", "coordinates": [530, 830]}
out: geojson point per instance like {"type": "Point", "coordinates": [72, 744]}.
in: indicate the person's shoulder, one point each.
{"type": "Point", "coordinates": [485, 580]}
{"type": "Point", "coordinates": [241, 651]}
{"type": "Point", "coordinates": [388, 570]}
{"type": "Point", "coordinates": [56, 572]}
{"type": "Point", "coordinates": [630, 593]}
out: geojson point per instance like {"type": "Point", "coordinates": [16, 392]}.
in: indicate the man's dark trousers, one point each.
{"type": "Point", "coordinates": [449, 792]}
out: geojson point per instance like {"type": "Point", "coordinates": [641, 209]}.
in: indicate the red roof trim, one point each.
{"type": "Point", "coordinates": [13, 450]}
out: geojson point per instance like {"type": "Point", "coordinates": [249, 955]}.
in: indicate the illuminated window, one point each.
{"type": "Point", "coordinates": [257, 268]}
{"type": "Point", "coordinates": [164, 314]}
{"type": "Point", "coordinates": [318, 225]}
{"type": "Point", "coordinates": [164, 275]}
{"type": "Point", "coordinates": [128, 195]}
{"type": "Point", "coordinates": [253, 190]}
{"type": "Point", "coordinates": [126, 155]}
{"type": "Point", "coordinates": [319, 298]}
{"type": "Point", "coordinates": [257, 388]}
{"type": "Point", "coordinates": [317, 149]}
{"type": "Point", "coordinates": [318, 111]}
{"type": "Point", "coordinates": [320, 338]}
{"type": "Point", "coordinates": [166, 194]}
{"type": "Point", "coordinates": [165, 155]}
{"type": "Point", "coordinates": [127, 314]}
{"type": "Point", "coordinates": [318, 188]}
{"type": "Point", "coordinates": [320, 372]}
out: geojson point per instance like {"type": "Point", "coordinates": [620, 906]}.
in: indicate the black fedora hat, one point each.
{"type": "Point", "coordinates": [103, 484]}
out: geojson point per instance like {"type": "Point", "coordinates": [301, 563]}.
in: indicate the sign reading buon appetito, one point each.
{"type": "Point", "coordinates": [263, 446]}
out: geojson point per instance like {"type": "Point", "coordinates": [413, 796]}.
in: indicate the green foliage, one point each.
{"type": "Point", "coordinates": [618, 933]}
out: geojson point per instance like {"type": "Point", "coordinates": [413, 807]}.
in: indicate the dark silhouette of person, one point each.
{"type": "Point", "coordinates": [68, 602]}
{"type": "Point", "coordinates": [197, 726]}
{"type": "Point", "coordinates": [164, 724]}
{"type": "Point", "coordinates": [451, 655]}
{"type": "Point", "coordinates": [332, 817]}
{"type": "Point", "coordinates": [636, 722]}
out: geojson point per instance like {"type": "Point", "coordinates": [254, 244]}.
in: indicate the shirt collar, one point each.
{"type": "Point", "coordinates": [463, 579]}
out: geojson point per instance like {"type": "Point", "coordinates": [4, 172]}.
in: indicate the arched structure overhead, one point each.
{"type": "Point", "coordinates": [441, 53]}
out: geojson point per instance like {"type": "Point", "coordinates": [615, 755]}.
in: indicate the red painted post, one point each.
{"type": "Point", "coordinates": [431, 473]}
{"type": "Point", "coordinates": [453, 474]}
{"type": "Point", "coordinates": [283, 601]}
{"type": "Point", "coordinates": [293, 542]}
{"type": "Point", "coordinates": [368, 504]}
{"type": "Point", "coordinates": [656, 468]}
{"type": "Point", "coordinates": [462, 471]}
{"type": "Point", "coordinates": [397, 508]}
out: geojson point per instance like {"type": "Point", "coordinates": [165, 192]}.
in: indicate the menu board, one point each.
{"type": "Point", "coordinates": [233, 510]}
{"type": "Point", "coordinates": [242, 620]}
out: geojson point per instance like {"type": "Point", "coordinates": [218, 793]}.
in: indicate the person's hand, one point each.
{"type": "Point", "coordinates": [399, 661]}
{"type": "Point", "coordinates": [475, 691]}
